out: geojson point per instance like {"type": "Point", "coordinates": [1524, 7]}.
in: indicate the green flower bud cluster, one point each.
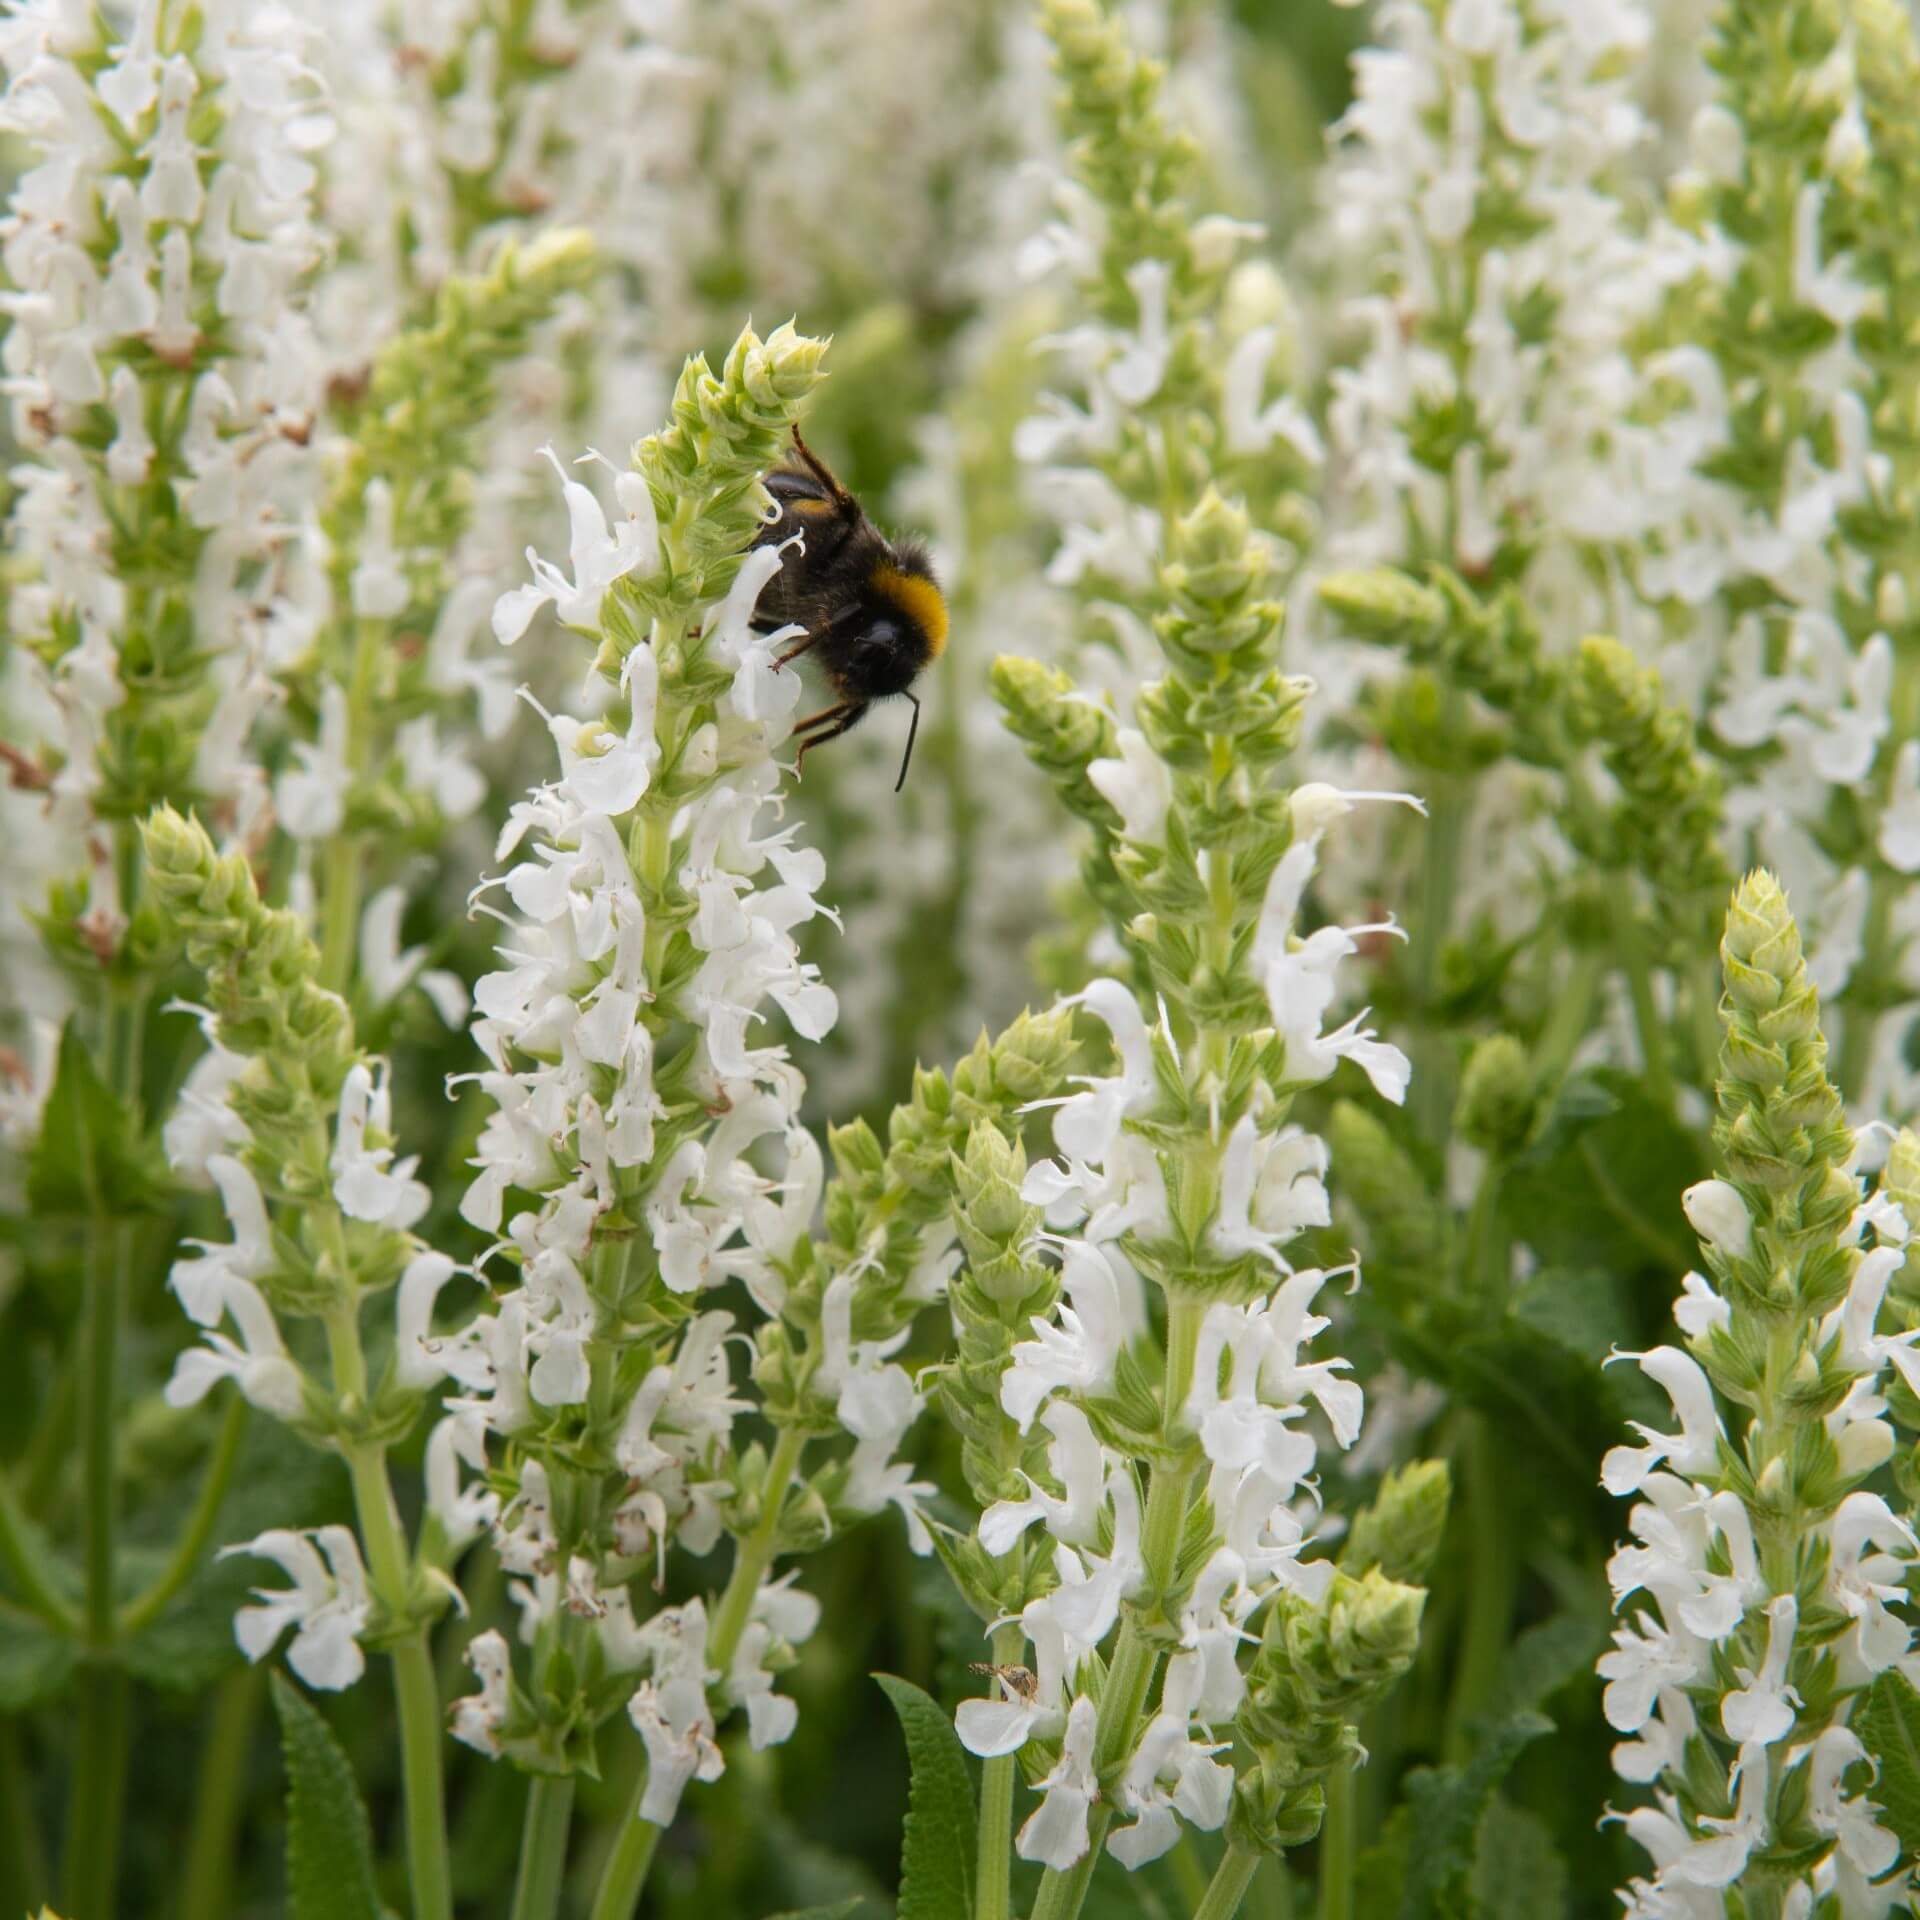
{"type": "Point", "coordinates": [1407, 1227]}
{"type": "Point", "coordinates": [1319, 1667]}
{"type": "Point", "coordinates": [1135, 164]}
{"type": "Point", "coordinates": [429, 396]}
{"type": "Point", "coordinates": [261, 970]}
{"type": "Point", "coordinates": [1398, 1533]}
{"type": "Point", "coordinates": [1499, 1099]}
{"type": "Point", "coordinates": [703, 469]}
{"type": "Point", "coordinates": [885, 1200]}
{"type": "Point", "coordinates": [261, 973]}
{"type": "Point", "coordinates": [1669, 818]}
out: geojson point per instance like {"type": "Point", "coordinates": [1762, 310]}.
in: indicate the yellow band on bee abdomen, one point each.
{"type": "Point", "coordinates": [920, 600]}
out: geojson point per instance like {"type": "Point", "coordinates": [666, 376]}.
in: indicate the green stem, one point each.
{"type": "Point", "coordinates": [110, 1253]}
{"type": "Point", "coordinates": [626, 1870]}
{"type": "Point", "coordinates": [426, 1812]}
{"type": "Point", "coordinates": [344, 863]}
{"type": "Point", "coordinates": [206, 1880]}
{"type": "Point", "coordinates": [1229, 1885]}
{"type": "Point", "coordinates": [1189, 1871]}
{"type": "Point", "coordinates": [389, 1565]}
{"type": "Point", "coordinates": [1439, 878]}
{"type": "Point", "coordinates": [192, 1544]}
{"type": "Point", "coordinates": [1491, 1588]}
{"type": "Point", "coordinates": [1631, 947]}
{"type": "Point", "coordinates": [97, 1793]}
{"type": "Point", "coordinates": [543, 1847]}
{"type": "Point", "coordinates": [755, 1553]}
{"type": "Point", "coordinates": [1338, 1837]}
{"type": "Point", "coordinates": [1567, 1024]}
{"type": "Point", "coordinates": [30, 1571]}
{"type": "Point", "coordinates": [1062, 1895]}
{"type": "Point", "coordinates": [992, 1893]}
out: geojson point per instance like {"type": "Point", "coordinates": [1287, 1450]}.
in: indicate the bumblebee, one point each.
{"type": "Point", "coordinates": [872, 609]}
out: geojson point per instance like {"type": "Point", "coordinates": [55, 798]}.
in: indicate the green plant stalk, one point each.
{"type": "Point", "coordinates": [1339, 1835]}
{"type": "Point", "coordinates": [1432, 1093]}
{"type": "Point", "coordinates": [206, 1881]}
{"type": "Point", "coordinates": [1189, 1871]}
{"type": "Point", "coordinates": [1492, 1584]}
{"type": "Point", "coordinates": [344, 861]}
{"type": "Point", "coordinates": [1229, 1885]}
{"type": "Point", "coordinates": [543, 1847]}
{"type": "Point", "coordinates": [1631, 948]}
{"type": "Point", "coordinates": [1136, 1659]}
{"type": "Point", "coordinates": [626, 1870]}
{"type": "Point", "coordinates": [992, 1890]}
{"type": "Point", "coordinates": [416, 1695]}
{"type": "Point", "coordinates": [192, 1543]}
{"type": "Point", "coordinates": [625, 1873]}
{"type": "Point", "coordinates": [98, 1792]}
{"type": "Point", "coordinates": [756, 1550]}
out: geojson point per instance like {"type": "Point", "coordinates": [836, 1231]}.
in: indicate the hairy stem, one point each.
{"type": "Point", "coordinates": [206, 1880]}
{"type": "Point", "coordinates": [543, 1847]}
{"type": "Point", "coordinates": [992, 1893]}
{"type": "Point", "coordinates": [1229, 1885]}
{"type": "Point", "coordinates": [626, 1870]}
{"type": "Point", "coordinates": [1338, 1835]}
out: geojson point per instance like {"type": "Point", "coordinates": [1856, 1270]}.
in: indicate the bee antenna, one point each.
{"type": "Point", "coordinates": [906, 759]}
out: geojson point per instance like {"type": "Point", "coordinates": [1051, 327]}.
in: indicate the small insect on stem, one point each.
{"type": "Point", "coordinates": [872, 612]}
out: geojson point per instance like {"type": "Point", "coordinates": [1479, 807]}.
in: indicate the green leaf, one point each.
{"type": "Point", "coordinates": [1887, 1719]}
{"type": "Point", "coordinates": [1518, 1873]}
{"type": "Point", "coordinates": [936, 1859]}
{"type": "Point", "coordinates": [34, 1664]}
{"type": "Point", "coordinates": [1542, 1660]}
{"type": "Point", "coordinates": [91, 1157]}
{"type": "Point", "coordinates": [1601, 1186]}
{"type": "Point", "coordinates": [839, 1910]}
{"type": "Point", "coordinates": [329, 1843]}
{"type": "Point", "coordinates": [1444, 1808]}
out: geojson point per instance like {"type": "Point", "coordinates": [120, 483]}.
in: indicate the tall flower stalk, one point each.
{"type": "Point", "coordinates": [1168, 1347]}
{"type": "Point", "coordinates": [1760, 1586]}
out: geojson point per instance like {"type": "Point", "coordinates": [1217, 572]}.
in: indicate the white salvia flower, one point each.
{"type": "Point", "coordinates": [1171, 1776]}
{"type": "Point", "coordinates": [1761, 1710]}
{"type": "Point", "coordinates": [258, 1364]}
{"type": "Point", "coordinates": [1299, 978]}
{"type": "Point", "coordinates": [386, 972]}
{"type": "Point", "coordinates": [1027, 1706]}
{"type": "Point", "coordinates": [367, 1183]}
{"type": "Point", "coordinates": [670, 1711]}
{"type": "Point", "coordinates": [476, 1720]}
{"type": "Point", "coordinates": [1136, 786]}
{"type": "Point", "coordinates": [311, 797]}
{"type": "Point", "coordinates": [782, 1616]}
{"type": "Point", "coordinates": [418, 1358]}
{"type": "Point", "coordinates": [1719, 1216]}
{"type": "Point", "coordinates": [1055, 1833]}
{"type": "Point", "coordinates": [599, 558]}
{"type": "Point", "coordinates": [464, 1512]}
{"type": "Point", "coordinates": [200, 1280]}
{"type": "Point", "coordinates": [1694, 1449]}
{"type": "Point", "coordinates": [1080, 1352]}
{"type": "Point", "coordinates": [328, 1605]}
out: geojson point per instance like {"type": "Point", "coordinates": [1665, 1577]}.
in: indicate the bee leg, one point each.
{"type": "Point", "coordinates": [829, 724]}
{"type": "Point", "coordinates": [788, 655]}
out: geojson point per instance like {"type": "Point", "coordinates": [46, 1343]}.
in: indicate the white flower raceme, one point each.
{"type": "Point", "coordinates": [157, 243]}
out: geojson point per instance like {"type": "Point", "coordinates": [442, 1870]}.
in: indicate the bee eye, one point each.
{"type": "Point", "coordinates": [883, 637]}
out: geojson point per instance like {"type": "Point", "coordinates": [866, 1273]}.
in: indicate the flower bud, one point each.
{"type": "Point", "coordinates": [1399, 1534]}
{"type": "Point", "coordinates": [1496, 1108]}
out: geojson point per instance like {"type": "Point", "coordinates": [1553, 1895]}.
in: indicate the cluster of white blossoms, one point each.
{"type": "Point", "coordinates": [1765, 1586]}
{"type": "Point", "coordinates": [1252, 1393]}
{"type": "Point", "coordinates": [1475, 193]}
{"type": "Point", "coordinates": [654, 902]}
{"type": "Point", "coordinates": [154, 244]}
